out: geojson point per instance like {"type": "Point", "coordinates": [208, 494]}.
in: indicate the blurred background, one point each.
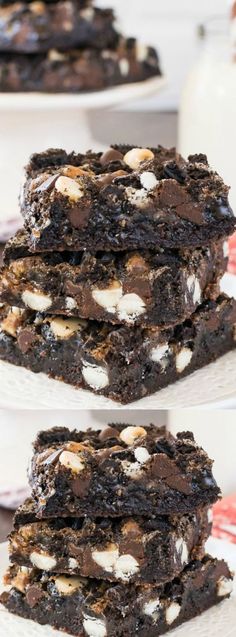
{"type": "Point", "coordinates": [215, 431]}
{"type": "Point", "coordinates": [172, 27]}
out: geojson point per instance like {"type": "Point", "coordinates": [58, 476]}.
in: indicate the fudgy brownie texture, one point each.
{"type": "Point", "coordinates": [36, 27]}
{"type": "Point", "coordinates": [89, 607]}
{"type": "Point", "coordinates": [17, 247]}
{"type": "Point", "coordinates": [122, 471]}
{"type": "Point", "coordinates": [125, 198]}
{"type": "Point", "coordinates": [138, 549]}
{"type": "Point", "coordinates": [145, 287]}
{"type": "Point", "coordinates": [77, 70]}
{"type": "Point", "coordinates": [122, 362]}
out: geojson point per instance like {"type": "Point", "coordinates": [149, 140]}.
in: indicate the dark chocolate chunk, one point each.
{"type": "Point", "coordinates": [110, 155]}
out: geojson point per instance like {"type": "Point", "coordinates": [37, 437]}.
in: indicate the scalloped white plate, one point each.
{"type": "Point", "coordinates": [22, 389]}
{"type": "Point", "coordinates": [93, 99]}
{"type": "Point", "coordinates": [219, 621]}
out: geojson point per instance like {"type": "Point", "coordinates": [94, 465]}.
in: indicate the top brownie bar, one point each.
{"type": "Point", "coordinates": [125, 198]}
{"type": "Point", "coordinates": [122, 470]}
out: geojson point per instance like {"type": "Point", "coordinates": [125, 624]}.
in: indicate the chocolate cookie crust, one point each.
{"type": "Point", "coordinates": [123, 199]}
{"type": "Point", "coordinates": [87, 608]}
{"type": "Point", "coordinates": [142, 288]}
{"type": "Point", "coordinates": [120, 362]}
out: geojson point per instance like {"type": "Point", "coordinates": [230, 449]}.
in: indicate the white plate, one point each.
{"type": "Point", "coordinates": [22, 389]}
{"type": "Point", "coordinates": [219, 621]}
{"type": "Point", "coordinates": [94, 99]}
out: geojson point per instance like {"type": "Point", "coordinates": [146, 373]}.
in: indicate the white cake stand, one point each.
{"type": "Point", "coordinates": [31, 122]}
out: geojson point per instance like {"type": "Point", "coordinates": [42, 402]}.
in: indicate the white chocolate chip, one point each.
{"type": "Point", "coordinates": [69, 188]}
{"type": "Point", "coordinates": [70, 303]}
{"type": "Point", "coordinates": [87, 14]}
{"type": "Point", "coordinates": [182, 550]}
{"type": "Point", "coordinates": [94, 627]}
{"type": "Point", "coordinates": [172, 612]}
{"type": "Point", "coordinates": [151, 608]}
{"type": "Point", "coordinates": [130, 307]}
{"type": "Point", "coordinates": [159, 354]}
{"type": "Point", "coordinates": [225, 249]}
{"type": "Point", "coordinates": [134, 157]}
{"type": "Point", "coordinates": [71, 461]}
{"type": "Point", "coordinates": [148, 180]}
{"type": "Point", "coordinates": [108, 54]}
{"type": "Point", "coordinates": [124, 67]}
{"type": "Point", "coordinates": [37, 7]}
{"type": "Point", "coordinates": [194, 289]}
{"type": "Point", "coordinates": [141, 52]}
{"type": "Point", "coordinates": [43, 561]}
{"type": "Point", "coordinates": [36, 300]}
{"type": "Point", "coordinates": [64, 327]}
{"type": "Point", "coordinates": [72, 563]}
{"type": "Point", "coordinates": [56, 56]}
{"type": "Point", "coordinates": [67, 585]}
{"type": "Point", "coordinates": [109, 297]}
{"type": "Point", "coordinates": [210, 516]}
{"type": "Point", "coordinates": [141, 455]}
{"type": "Point", "coordinates": [130, 434]}
{"type": "Point", "coordinates": [95, 375]}
{"type": "Point", "coordinates": [125, 567]}
{"type": "Point", "coordinates": [224, 586]}
{"type": "Point", "coordinates": [106, 559]}
{"type": "Point", "coordinates": [183, 359]}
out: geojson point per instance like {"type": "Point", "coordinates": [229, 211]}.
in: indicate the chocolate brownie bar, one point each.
{"type": "Point", "coordinates": [151, 550]}
{"type": "Point", "coordinates": [126, 198]}
{"type": "Point", "coordinates": [36, 27]}
{"type": "Point", "coordinates": [122, 471]}
{"type": "Point", "coordinates": [87, 607]}
{"type": "Point", "coordinates": [77, 70]}
{"type": "Point", "coordinates": [146, 288]}
{"type": "Point", "coordinates": [122, 362]}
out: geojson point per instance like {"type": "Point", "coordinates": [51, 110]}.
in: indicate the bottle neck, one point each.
{"type": "Point", "coordinates": [218, 39]}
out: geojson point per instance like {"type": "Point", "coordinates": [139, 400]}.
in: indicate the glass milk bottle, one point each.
{"type": "Point", "coordinates": [207, 122]}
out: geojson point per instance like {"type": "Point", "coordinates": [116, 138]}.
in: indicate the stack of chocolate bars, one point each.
{"type": "Point", "coordinates": [114, 283]}
{"type": "Point", "coordinates": [67, 46]}
{"type": "Point", "coordinates": [112, 541]}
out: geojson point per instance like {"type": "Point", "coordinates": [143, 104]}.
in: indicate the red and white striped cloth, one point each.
{"type": "Point", "coordinates": [224, 519]}
{"type": "Point", "coordinates": [232, 254]}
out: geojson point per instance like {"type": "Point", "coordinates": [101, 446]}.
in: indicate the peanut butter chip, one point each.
{"type": "Point", "coordinates": [136, 156]}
